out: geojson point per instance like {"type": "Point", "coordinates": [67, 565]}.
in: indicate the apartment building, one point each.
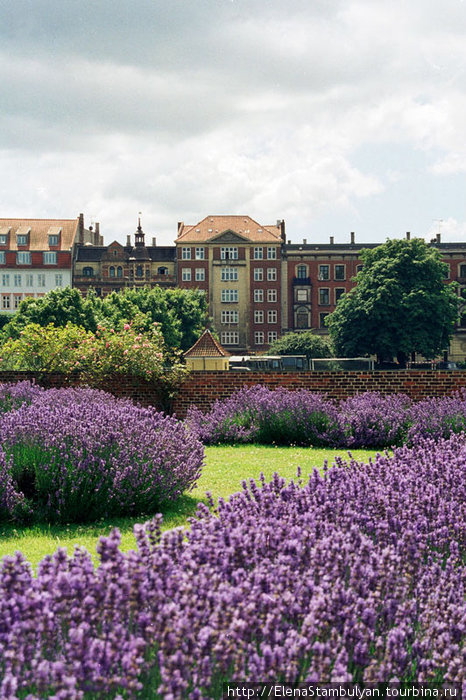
{"type": "Point", "coordinates": [36, 256]}
{"type": "Point", "coordinates": [237, 262]}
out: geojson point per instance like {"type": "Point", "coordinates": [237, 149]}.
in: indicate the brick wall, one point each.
{"type": "Point", "coordinates": [203, 388]}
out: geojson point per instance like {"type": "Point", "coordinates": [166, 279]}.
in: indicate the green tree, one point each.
{"type": "Point", "coordinates": [58, 307]}
{"type": "Point", "coordinates": [303, 343]}
{"type": "Point", "coordinates": [400, 304]}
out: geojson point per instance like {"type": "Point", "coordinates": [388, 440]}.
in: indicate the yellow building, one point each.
{"type": "Point", "coordinates": [207, 353]}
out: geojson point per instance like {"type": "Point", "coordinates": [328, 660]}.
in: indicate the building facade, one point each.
{"type": "Point", "coordinates": [114, 267]}
{"type": "Point", "coordinates": [237, 262]}
{"type": "Point", "coordinates": [36, 256]}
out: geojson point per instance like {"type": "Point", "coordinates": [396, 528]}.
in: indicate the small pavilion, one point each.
{"type": "Point", "coordinates": [207, 354]}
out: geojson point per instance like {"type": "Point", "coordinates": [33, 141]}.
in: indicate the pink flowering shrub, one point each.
{"type": "Point", "coordinates": [358, 575]}
{"type": "Point", "coordinates": [81, 454]}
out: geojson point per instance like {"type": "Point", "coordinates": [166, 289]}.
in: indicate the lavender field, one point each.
{"type": "Point", "coordinates": [357, 574]}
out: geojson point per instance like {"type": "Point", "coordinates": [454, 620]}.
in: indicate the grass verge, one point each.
{"type": "Point", "coordinates": [225, 468]}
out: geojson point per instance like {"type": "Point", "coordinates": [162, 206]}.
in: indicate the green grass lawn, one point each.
{"type": "Point", "coordinates": [224, 470]}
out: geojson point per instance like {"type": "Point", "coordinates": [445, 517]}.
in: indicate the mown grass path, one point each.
{"type": "Point", "coordinates": [225, 468]}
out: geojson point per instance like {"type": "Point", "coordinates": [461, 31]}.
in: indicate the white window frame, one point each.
{"type": "Point", "coordinates": [3, 239]}
{"type": "Point", "coordinates": [272, 336]}
{"type": "Point", "coordinates": [41, 279]}
{"type": "Point", "coordinates": [53, 239]}
{"type": "Point", "coordinates": [23, 257]}
{"type": "Point", "coordinates": [321, 291]}
{"type": "Point", "coordinates": [272, 296]}
{"type": "Point", "coordinates": [229, 253]}
{"type": "Point", "coordinates": [2, 257]}
{"type": "Point", "coordinates": [339, 279]}
{"type": "Point", "coordinates": [49, 257]}
{"type": "Point", "coordinates": [258, 253]}
{"type": "Point", "coordinates": [17, 279]}
{"type": "Point", "coordinates": [271, 274]}
{"type": "Point", "coordinates": [186, 274]}
{"type": "Point", "coordinates": [258, 316]}
{"type": "Point", "coordinates": [58, 279]}
{"type": "Point", "coordinates": [29, 279]}
{"type": "Point", "coordinates": [21, 239]}
{"type": "Point", "coordinates": [17, 299]}
{"type": "Point", "coordinates": [229, 274]}
{"type": "Point", "coordinates": [229, 318]}
{"type": "Point", "coordinates": [230, 296]}
{"type": "Point", "coordinates": [6, 279]}
{"type": "Point", "coordinates": [271, 253]}
{"type": "Point", "coordinates": [324, 276]}
{"type": "Point", "coordinates": [259, 338]}
{"type": "Point", "coordinates": [272, 316]}
{"type": "Point", "coordinates": [186, 253]}
{"type": "Point", "coordinates": [258, 296]}
{"type": "Point", "coordinates": [258, 274]}
{"type": "Point", "coordinates": [229, 338]}
{"type": "Point", "coordinates": [199, 253]}
{"type": "Point", "coordinates": [6, 301]}
{"type": "Point", "coordinates": [200, 274]}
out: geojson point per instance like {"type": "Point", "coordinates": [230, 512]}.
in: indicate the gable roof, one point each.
{"type": "Point", "coordinates": [39, 230]}
{"type": "Point", "coordinates": [206, 346]}
{"type": "Point", "coordinates": [212, 226]}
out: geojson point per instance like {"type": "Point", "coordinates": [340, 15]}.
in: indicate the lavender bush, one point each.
{"type": "Point", "coordinates": [357, 576]}
{"type": "Point", "coordinates": [257, 414]}
{"type": "Point", "coordinates": [81, 454]}
{"type": "Point", "coordinates": [374, 420]}
{"type": "Point", "coordinates": [13, 395]}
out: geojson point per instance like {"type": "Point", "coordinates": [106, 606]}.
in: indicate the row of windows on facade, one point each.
{"type": "Point", "coordinates": [118, 271]}
{"type": "Point", "coordinates": [23, 257]}
{"type": "Point", "coordinates": [232, 337]}
{"type": "Point", "coordinates": [29, 280]}
{"type": "Point", "coordinates": [228, 274]}
{"type": "Point", "coordinates": [23, 239]}
{"type": "Point", "coordinates": [232, 317]}
{"type": "Point", "coordinates": [228, 253]}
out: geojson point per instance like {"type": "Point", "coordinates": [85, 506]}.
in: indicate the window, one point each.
{"type": "Point", "coordinates": [17, 299]}
{"type": "Point", "coordinates": [88, 272]}
{"type": "Point", "coordinates": [53, 239]}
{"type": "Point", "coordinates": [200, 274]}
{"type": "Point", "coordinates": [229, 253]}
{"type": "Point", "coordinates": [272, 274]}
{"type": "Point", "coordinates": [5, 279]}
{"type": "Point", "coordinates": [340, 272]}
{"type": "Point", "coordinates": [119, 271]}
{"type": "Point", "coordinates": [324, 296]}
{"type": "Point", "coordinates": [258, 295]}
{"type": "Point", "coordinates": [29, 280]}
{"type": "Point", "coordinates": [258, 316]}
{"type": "Point", "coordinates": [302, 295]}
{"type": "Point", "coordinates": [111, 271]}
{"type": "Point", "coordinates": [229, 274]}
{"type": "Point", "coordinates": [359, 268]}
{"type": "Point", "coordinates": [447, 273]}
{"type": "Point", "coordinates": [230, 338]}
{"type": "Point", "coordinates": [272, 316]}
{"type": "Point", "coordinates": [3, 239]}
{"type": "Point", "coordinates": [186, 274]}
{"type": "Point", "coordinates": [258, 274]}
{"type": "Point", "coordinates": [49, 258]}
{"type": "Point", "coordinates": [324, 272]}
{"type": "Point", "coordinates": [322, 318]}
{"type": "Point", "coordinates": [339, 291]}
{"type": "Point", "coordinates": [186, 253]}
{"type": "Point", "coordinates": [23, 258]}
{"type": "Point", "coordinates": [258, 337]}
{"type": "Point", "coordinates": [272, 337]}
{"type": "Point", "coordinates": [41, 279]}
{"type": "Point", "coordinates": [17, 280]}
{"type": "Point", "coordinates": [301, 272]}
{"type": "Point", "coordinates": [2, 257]}
{"type": "Point", "coordinates": [21, 239]}
{"type": "Point", "coordinates": [229, 295]}
{"type": "Point", "coordinates": [5, 301]}
{"type": "Point", "coordinates": [462, 268]}
{"type": "Point", "coordinates": [229, 317]}
{"type": "Point", "coordinates": [139, 271]}
{"type": "Point", "coordinates": [271, 253]}
{"type": "Point", "coordinates": [200, 253]}
{"type": "Point", "coordinates": [59, 280]}
{"type": "Point", "coordinates": [272, 296]}
{"type": "Point", "coordinates": [302, 317]}
{"type": "Point", "coordinates": [258, 253]}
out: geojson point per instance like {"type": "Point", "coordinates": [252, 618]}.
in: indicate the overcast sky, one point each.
{"type": "Point", "coordinates": [336, 116]}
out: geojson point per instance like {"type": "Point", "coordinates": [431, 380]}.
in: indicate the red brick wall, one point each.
{"type": "Point", "coordinates": [203, 388]}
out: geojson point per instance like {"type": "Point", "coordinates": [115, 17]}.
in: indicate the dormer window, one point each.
{"type": "Point", "coordinates": [53, 240]}
{"type": "Point", "coordinates": [3, 239]}
{"type": "Point", "coordinates": [22, 235]}
{"type": "Point", "coordinates": [54, 236]}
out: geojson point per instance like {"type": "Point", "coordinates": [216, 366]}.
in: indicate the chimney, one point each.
{"type": "Point", "coordinates": [282, 230]}
{"type": "Point", "coordinates": [408, 235]}
{"type": "Point", "coordinates": [352, 237]}
{"type": "Point", "coordinates": [288, 243]}
{"type": "Point", "coordinates": [332, 239]}
{"type": "Point", "coordinates": [81, 229]}
{"type": "Point", "coordinates": [154, 243]}
{"type": "Point", "coordinates": [438, 237]}
{"type": "Point", "coordinates": [128, 239]}
{"type": "Point", "coordinates": [304, 241]}
{"type": "Point", "coordinates": [97, 228]}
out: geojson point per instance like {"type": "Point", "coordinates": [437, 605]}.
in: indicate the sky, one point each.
{"type": "Point", "coordinates": [335, 116]}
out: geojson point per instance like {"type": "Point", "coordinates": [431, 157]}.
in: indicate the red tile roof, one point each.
{"type": "Point", "coordinates": [206, 346]}
{"type": "Point", "coordinates": [213, 226]}
{"type": "Point", "coordinates": [39, 230]}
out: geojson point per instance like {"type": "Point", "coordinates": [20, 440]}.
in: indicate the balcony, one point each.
{"type": "Point", "coordinates": [302, 281]}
